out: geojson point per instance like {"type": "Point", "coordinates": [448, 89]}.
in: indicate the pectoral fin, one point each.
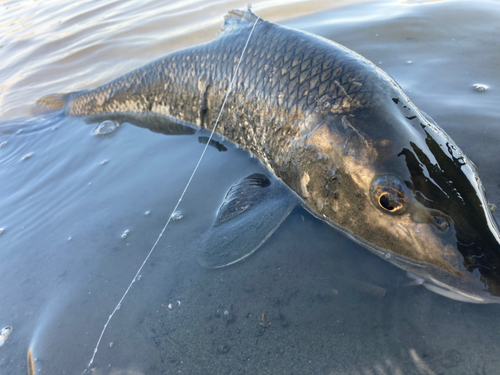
{"type": "Point", "coordinates": [252, 210]}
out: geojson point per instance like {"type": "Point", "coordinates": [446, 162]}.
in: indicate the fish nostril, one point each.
{"type": "Point", "coordinates": [441, 223]}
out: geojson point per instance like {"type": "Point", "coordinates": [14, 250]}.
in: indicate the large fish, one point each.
{"type": "Point", "coordinates": [339, 132]}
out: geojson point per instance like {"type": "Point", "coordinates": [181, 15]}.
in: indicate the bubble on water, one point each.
{"type": "Point", "coordinates": [27, 156]}
{"type": "Point", "coordinates": [177, 215]}
{"type": "Point", "coordinates": [105, 127]}
{"type": "Point", "coordinates": [125, 234]}
{"type": "Point", "coordinates": [480, 87]}
{"type": "Point", "coordinates": [105, 161]}
{"type": "Point", "coordinates": [409, 62]}
{"type": "Point", "coordinates": [19, 131]}
{"type": "Point", "coordinates": [69, 238]}
{"type": "Point", "coordinates": [2, 230]}
{"type": "Point", "coordinates": [139, 277]}
{"type": "Point", "coordinates": [4, 334]}
{"type": "Point", "coordinates": [3, 144]}
{"type": "Point", "coordinates": [147, 213]}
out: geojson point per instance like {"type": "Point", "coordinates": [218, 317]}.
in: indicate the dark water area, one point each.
{"type": "Point", "coordinates": [68, 196]}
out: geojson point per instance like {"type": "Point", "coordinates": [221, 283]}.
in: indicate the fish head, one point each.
{"type": "Point", "coordinates": [397, 184]}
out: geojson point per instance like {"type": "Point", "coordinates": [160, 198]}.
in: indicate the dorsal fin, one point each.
{"type": "Point", "coordinates": [237, 18]}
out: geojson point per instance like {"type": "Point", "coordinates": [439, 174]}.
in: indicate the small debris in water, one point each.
{"type": "Point", "coordinates": [222, 349]}
{"type": "Point", "coordinates": [147, 213]}
{"type": "Point", "coordinates": [409, 62]}
{"type": "Point", "coordinates": [3, 144]}
{"type": "Point", "coordinates": [387, 256]}
{"type": "Point", "coordinates": [169, 306]}
{"type": "Point", "coordinates": [105, 128]}
{"type": "Point", "coordinates": [69, 238]}
{"type": "Point", "coordinates": [228, 317]}
{"type": "Point", "coordinates": [263, 321]}
{"type": "Point", "coordinates": [139, 277]}
{"type": "Point", "coordinates": [31, 362]}
{"type": "Point", "coordinates": [55, 128]}
{"type": "Point", "coordinates": [27, 156]}
{"type": "Point", "coordinates": [105, 161]}
{"type": "Point", "coordinates": [125, 234]}
{"type": "Point", "coordinates": [90, 183]}
{"type": "Point", "coordinates": [119, 306]}
{"type": "Point", "coordinates": [492, 206]}
{"type": "Point", "coordinates": [110, 344]}
{"type": "Point", "coordinates": [177, 215]}
{"type": "Point", "coordinates": [178, 303]}
{"type": "Point", "coordinates": [480, 87]}
{"type": "Point", "coordinates": [4, 334]}
{"type": "Point", "coordinates": [2, 230]}
{"type": "Point", "coordinates": [19, 131]}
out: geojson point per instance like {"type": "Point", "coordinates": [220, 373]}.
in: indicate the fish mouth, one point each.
{"type": "Point", "coordinates": [443, 265]}
{"type": "Point", "coordinates": [465, 273]}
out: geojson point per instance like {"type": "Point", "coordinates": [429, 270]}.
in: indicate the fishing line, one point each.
{"type": "Point", "coordinates": [178, 202]}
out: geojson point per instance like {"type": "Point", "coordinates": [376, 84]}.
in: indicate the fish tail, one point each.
{"type": "Point", "coordinates": [50, 103]}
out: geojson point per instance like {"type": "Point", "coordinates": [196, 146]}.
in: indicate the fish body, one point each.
{"type": "Point", "coordinates": [340, 133]}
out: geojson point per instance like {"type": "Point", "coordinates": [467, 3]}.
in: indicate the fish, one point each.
{"type": "Point", "coordinates": [339, 137]}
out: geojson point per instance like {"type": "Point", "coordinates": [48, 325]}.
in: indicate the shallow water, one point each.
{"type": "Point", "coordinates": [334, 307]}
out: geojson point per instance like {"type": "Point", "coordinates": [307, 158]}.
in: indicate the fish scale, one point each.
{"type": "Point", "coordinates": [300, 74]}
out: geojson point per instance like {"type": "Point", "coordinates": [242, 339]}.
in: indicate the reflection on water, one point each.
{"type": "Point", "coordinates": [56, 46]}
{"type": "Point", "coordinates": [333, 307]}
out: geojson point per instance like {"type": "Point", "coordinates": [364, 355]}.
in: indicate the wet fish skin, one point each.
{"type": "Point", "coordinates": [336, 129]}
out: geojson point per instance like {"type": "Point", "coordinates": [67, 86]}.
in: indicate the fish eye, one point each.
{"type": "Point", "coordinates": [442, 224]}
{"type": "Point", "coordinates": [391, 202]}
{"type": "Point", "coordinates": [388, 194]}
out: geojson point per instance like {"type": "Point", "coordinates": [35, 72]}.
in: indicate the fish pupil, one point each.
{"type": "Point", "coordinates": [389, 202]}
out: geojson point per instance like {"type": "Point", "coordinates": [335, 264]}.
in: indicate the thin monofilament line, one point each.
{"type": "Point", "coordinates": [180, 199]}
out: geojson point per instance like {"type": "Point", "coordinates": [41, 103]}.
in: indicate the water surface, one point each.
{"type": "Point", "coordinates": [334, 307]}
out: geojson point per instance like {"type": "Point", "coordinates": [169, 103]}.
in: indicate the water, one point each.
{"type": "Point", "coordinates": [333, 307]}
